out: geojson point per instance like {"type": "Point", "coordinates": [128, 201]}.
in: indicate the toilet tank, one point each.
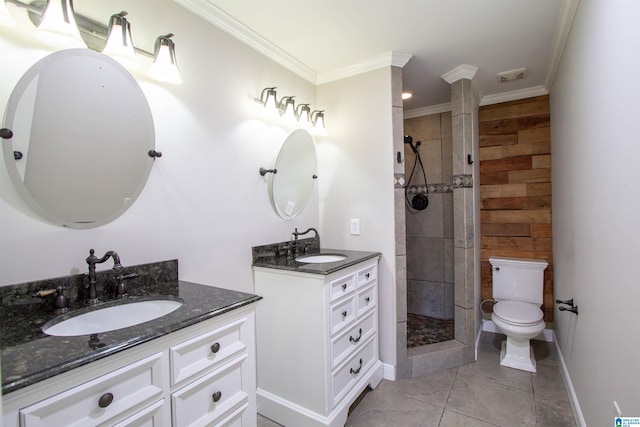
{"type": "Point", "coordinates": [518, 279]}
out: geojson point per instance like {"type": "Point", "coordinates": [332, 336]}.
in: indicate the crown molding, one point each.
{"type": "Point", "coordinates": [387, 59]}
{"type": "Point", "coordinates": [228, 24]}
{"type": "Point", "coordinates": [427, 111]}
{"type": "Point", "coordinates": [460, 72]}
{"type": "Point", "coordinates": [567, 13]}
{"type": "Point", "coordinates": [514, 95]}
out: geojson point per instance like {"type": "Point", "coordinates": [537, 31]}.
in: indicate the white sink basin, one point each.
{"type": "Point", "coordinates": [319, 259]}
{"type": "Point", "coordinates": [111, 318]}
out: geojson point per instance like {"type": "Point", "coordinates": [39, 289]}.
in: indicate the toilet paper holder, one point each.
{"type": "Point", "coordinates": [572, 307]}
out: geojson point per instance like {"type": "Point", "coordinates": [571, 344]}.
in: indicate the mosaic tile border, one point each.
{"type": "Point", "coordinates": [463, 181]}
{"type": "Point", "coordinates": [459, 181]}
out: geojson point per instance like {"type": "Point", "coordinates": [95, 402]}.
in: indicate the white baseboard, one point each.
{"type": "Point", "coordinates": [388, 372]}
{"type": "Point", "coordinates": [573, 398]}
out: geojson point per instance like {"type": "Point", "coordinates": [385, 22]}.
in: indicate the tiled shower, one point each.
{"type": "Point", "coordinates": [429, 233]}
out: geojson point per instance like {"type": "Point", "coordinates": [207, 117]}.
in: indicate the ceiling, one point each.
{"type": "Point", "coordinates": [323, 40]}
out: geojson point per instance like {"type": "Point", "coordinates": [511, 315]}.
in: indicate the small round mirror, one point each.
{"type": "Point", "coordinates": [291, 186]}
{"type": "Point", "coordinates": [83, 129]}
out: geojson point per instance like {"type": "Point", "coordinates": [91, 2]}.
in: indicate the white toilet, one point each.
{"type": "Point", "coordinates": [518, 292]}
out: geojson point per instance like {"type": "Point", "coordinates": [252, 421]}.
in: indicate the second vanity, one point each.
{"type": "Point", "coordinates": [317, 337]}
{"type": "Point", "coordinates": [194, 366]}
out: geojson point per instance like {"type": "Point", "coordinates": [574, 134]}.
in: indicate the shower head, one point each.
{"type": "Point", "coordinates": [409, 140]}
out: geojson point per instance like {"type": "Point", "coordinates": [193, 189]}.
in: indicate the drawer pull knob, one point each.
{"type": "Point", "coordinates": [344, 287]}
{"type": "Point", "coordinates": [105, 400]}
{"type": "Point", "coordinates": [344, 314]}
{"type": "Point", "coordinates": [215, 348]}
{"type": "Point", "coordinates": [356, 371]}
{"type": "Point", "coordinates": [367, 275]}
{"type": "Point", "coordinates": [355, 340]}
{"type": "Point", "coordinates": [217, 396]}
{"type": "Point", "coordinates": [367, 299]}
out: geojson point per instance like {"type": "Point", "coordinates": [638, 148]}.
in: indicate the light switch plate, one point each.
{"type": "Point", "coordinates": [355, 227]}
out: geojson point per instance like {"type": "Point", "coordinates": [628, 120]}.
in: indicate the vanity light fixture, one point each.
{"type": "Point", "coordinates": [287, 107]}
{"type": "Point", "coordinates": [119, 44]}
{"type": "Point", "coordinates": [58, 25]}
{"type": "Point", "coordinates": [317, 118]}
{"type": "Point", "coordinates": [165, 66]}
{"type": "Point", "coordinates": [303, 113]}
{"type": "Point", "coordinates": [6, 19]}
{"type": "Point", "coordinates": [268, 101]}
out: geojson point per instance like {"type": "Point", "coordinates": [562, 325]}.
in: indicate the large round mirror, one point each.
{"type": "Point", "coordinates": [292, 184]}
{"type": "Point", "coordinates": [82, 130]}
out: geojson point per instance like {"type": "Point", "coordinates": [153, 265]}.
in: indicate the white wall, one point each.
{"type": "Point", "coordinates": [356, 180]}
{"type": "Point", "coordinates": [204, 203]}
{"type": "Point", "coordinates": [596, 206]}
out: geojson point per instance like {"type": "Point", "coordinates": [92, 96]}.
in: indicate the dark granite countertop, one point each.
{"type": "Point", "coordinates": [29, 355]}
{"type": "Point", "coordinates": [290, 264]}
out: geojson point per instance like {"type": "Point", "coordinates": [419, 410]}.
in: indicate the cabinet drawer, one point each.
{"type": "Point", "coordinates": [367, 299]}
{"type": "Point", "coordinates": [342, 286]}
{"type": "Point", "coordinates": [347, 375]}
{"type": "Point", "coordinates": [151, 416]}
{"type": "Point", "coordinates": [131, 387]}
{"type": "Point", "coordinates": [211, 398]}
{"type": "Point", "coordinates": [367, 275]}
{"type": "Point", "coordinates": [207, 350]}
{"type": "Point", "coordinates": [343, 314]}
{"type": "Point", "coordinates": [351, 340]}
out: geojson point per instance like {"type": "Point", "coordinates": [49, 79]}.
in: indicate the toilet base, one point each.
{"type": "Point", "coordinates": [517, 354]}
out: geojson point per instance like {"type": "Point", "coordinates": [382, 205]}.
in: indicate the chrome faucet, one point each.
{"type": "Point", "coordinates": [92, 260]}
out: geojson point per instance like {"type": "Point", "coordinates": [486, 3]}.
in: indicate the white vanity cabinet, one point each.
{"type": "Point", "coordinates": [317, 343]}
{"type": "Point", "coordinates": [201, 375]}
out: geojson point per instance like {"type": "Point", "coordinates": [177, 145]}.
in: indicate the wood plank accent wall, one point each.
{"type": "Point", "coordinates": [515, 187]}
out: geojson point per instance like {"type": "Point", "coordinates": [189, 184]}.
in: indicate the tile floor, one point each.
{"type": "Point", "coordinates": [481, 394]}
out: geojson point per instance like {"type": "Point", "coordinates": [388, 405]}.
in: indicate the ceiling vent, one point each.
{"type": "Point", "coordinates": [507, 76]}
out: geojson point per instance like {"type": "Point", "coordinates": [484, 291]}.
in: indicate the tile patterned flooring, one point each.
{"type": "Point", "coordinates": [480, 394]}
{"type": "Point", "coordinates": [423, 330]}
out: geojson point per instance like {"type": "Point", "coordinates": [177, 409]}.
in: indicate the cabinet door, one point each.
{"type": "Point", "coordinates": [101, 400]}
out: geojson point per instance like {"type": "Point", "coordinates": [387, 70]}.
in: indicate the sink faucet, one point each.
{"type": "Point", "coordinates": [296, 233]}
{"type": "Point", "coordinates": [92, 260]}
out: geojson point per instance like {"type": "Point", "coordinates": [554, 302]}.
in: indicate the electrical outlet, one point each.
{"type": "Point", "coordinates": [355, 227]}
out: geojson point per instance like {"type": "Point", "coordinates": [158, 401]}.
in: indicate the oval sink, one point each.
{"type": "Point", "coordinates": [95, 320]}
{"type": "Point", "coordinates": [322, 258]}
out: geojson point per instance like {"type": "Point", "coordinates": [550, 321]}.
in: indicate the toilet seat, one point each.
{"type": "Point", "coordinates": [518, 313]}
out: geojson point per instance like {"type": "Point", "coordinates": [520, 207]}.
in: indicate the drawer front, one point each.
{"type": "Point", "coordinates": [342, 286]}
{"type": "Point", "coordinates": [351, 340]}
{"type": "Point", "coordinates": [131, 387]}
{"type": "Point", "coordinates": [367, 275]}
{"type": "Point", "coordinates": [343, 314]}
{"type": "Point", "coordinates": [367, 299]}
{"type": "Point", "coordinates": [206, 351]}
{"type": "Point", "coordinates": [212, 398]}
{"type": "Point", "coordinates": [348, 374]}
{"type": "Point", "coordinates": [151, 416]}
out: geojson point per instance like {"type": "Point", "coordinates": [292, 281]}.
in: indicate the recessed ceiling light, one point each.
{"type": "Point", "coordinates": [406, 95]}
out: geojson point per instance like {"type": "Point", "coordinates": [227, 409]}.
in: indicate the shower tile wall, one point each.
{"type": "Point", "coordinates": [429, 233]}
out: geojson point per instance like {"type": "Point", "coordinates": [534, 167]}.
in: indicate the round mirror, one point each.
{"type": "Point", "coordinates": [291, 185]}
{"type": "Point", "coordinates": [82, 130]}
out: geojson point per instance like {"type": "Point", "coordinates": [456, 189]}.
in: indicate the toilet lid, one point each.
{"type": "Point", "coordinates": [518, 313]}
